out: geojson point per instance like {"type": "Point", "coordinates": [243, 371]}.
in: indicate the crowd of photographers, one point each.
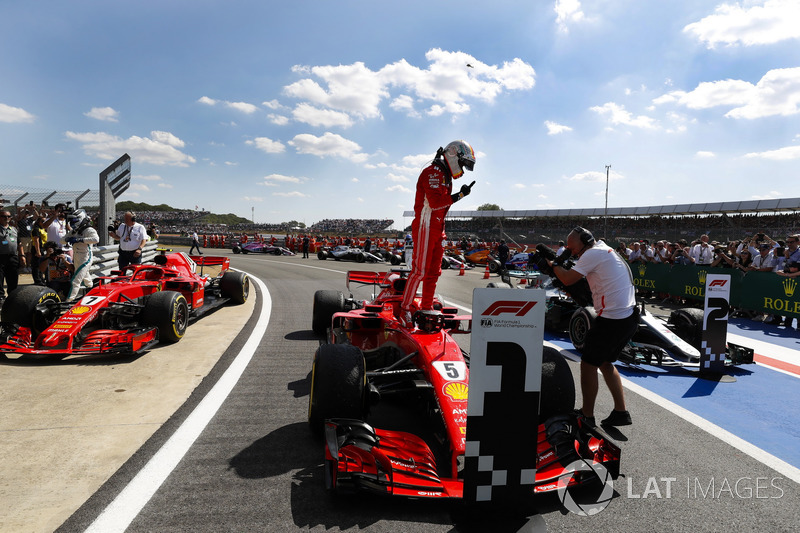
{"type": "Point", "coordinates": [757, 253]}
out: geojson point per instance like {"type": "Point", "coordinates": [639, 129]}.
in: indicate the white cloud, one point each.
{"type": "Point", "coordinates": [594, 175]}
{"type": "Point", "coordinates": [787, 153]}
{"type": "Point", "coordinates": [398, 188]}
{"type": "Point", "coordinates": [328, 145]}
{"type": "Point", "coordinates": [160, 149]}
{"type": "Point", "coordinates": [108, 114]}
{"type": "Point", "coordinates": [553, 128]}
{"type": "Point", "coordinates": [519, 185]}
{"type": "Point", "coordinates": [149, 177]}
{"type": "Point", "coordinates": [267, 145]}
{"type": "Point", "coordinates": [139, 187]}
{"type": "Point", "coordinates": [278, 120]}
{"type": "Point", "coordinates": [14, 114]}
{"type": "Point", "coordinates": [397, 179]}
{"type": "Point", "coordinates": [252, 198]}
{"type": "Point", "coordinates": [280, 178]}
{"type": "Point", "coordinates": [244, 107]}
{"type": "Point", "coordinates": [447, 82]}
{"type": "Point", "coordinates": [776, 93]}
{"type": "Point", "coordinates": [703, 154]}
{"type": "Point", "coordinates": [360, 200]}
{"type": "Point", "coordinates": [165, 185]}
{"type": "Point", "coordinates": [354, 180]}
{"type": "Point", "coordinates": [567, 12]}
{"type": "Point", "coordinates": [326, 118]}
{"type": "Point", "coordinates": [272, 104]}
{"type": "Point", "coordinates": [731, 24]}
{"type": "Point", "coordinates": [292, 194]}
{"type": "Point", "coordinates": [769, 196]}
{"type": "Point", "coordinates": [231, 164]}
{"type": "Point", "coordinates": [415, 162]}
{"type": "Point", "coordinates": [618, 115]}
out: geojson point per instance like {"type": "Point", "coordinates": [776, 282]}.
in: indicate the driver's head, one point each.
{"type": "Point", "coordinates": [459, 155]}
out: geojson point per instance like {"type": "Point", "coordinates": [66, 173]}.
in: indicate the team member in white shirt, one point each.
{"type": "Point", "coordinates": [611, 282]}
{"type": "Point", "coordinates": [131, 236]}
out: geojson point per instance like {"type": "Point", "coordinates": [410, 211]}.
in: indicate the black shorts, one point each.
{"type": "Point", "coordinates": [607, 337]}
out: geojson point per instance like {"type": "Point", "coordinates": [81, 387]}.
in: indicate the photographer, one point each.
{"type": "Point", "coordinates": [57, 226]}
{"type": "Point", "coordinates": [57, 268]}
{"type": "Point", "coordinates": [10, 251]}
{"type": "Point", "coordinates": [611, 282]}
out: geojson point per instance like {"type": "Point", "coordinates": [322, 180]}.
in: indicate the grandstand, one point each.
{"type": "Point", "coordinates": [722, 221]}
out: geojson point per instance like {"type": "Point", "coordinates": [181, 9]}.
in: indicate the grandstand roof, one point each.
{"type": "Point", "coordinates": [712, 208]}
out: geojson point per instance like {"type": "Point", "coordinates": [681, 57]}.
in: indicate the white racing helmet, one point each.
{"type": "Point", "coordinates": [459, 155]}
{"type": "Point", "coordinates": [78, 220]}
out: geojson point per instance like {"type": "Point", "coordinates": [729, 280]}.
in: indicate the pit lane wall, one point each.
{"type": "Point", "coordinates": [106, 258]}
{"type": "Point", "coordinates": [764, 292]}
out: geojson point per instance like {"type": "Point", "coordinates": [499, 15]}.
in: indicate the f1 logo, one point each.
{"type": "Point", "coordinates": [717, 283]}
{"type": "Point", "coordinates": [508, 306]}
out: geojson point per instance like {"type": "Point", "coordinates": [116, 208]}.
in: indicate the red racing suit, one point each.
{"type": "Point", "coordinates": [431, 204]}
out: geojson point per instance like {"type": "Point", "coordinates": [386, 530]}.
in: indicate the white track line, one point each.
{"type": "Point", "coordinates": [119, 514]}
{"type": "Point", "coordinates": [780, 466]}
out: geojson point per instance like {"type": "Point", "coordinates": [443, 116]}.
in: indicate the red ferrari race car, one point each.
{"type": "Point", "coordinates": [125, 313]}
{"type": "Point", "coordinates": [368, 356]}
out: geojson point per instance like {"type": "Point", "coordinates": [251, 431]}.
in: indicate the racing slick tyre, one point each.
{"type": "Point", "coordinates": [445, 264]}
{"type": "Point", "coordinates": [169, 313]}
{"type": "Point", "coordinates": [395, 260]}
{"type": "Point", "coordinates": [360, 258]}
{"type": "Point", "coordinates": [236, 286]}
{"type": "Point", "coordinates": [579, 325]}
{"type": "Point", "coordinates": [558, 386]}
{"type": "Point", "coordinates": [237, 249]}
{"type": "Point", "coordinates": [688, 324]}
{"type": "Point", "coordinates": [321, 255]}
{"type": "Point", "coordinates": [498, 285]}
{"type": "Point", "coordinates": [277, 251]}
{"type": "Point", "coordinates": [494, 266]}
{"type": "Point", "coordinates": [20, 308]}
{"type": "Point", "coordinates": [338, 384]}
{"type": "Point", "coordinates": [245, 251]}
{"type": "Point", "coordinates": [326, 303]}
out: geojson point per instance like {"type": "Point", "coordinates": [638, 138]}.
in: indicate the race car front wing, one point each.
{"type": "Point", "coordinates": [358, 456]}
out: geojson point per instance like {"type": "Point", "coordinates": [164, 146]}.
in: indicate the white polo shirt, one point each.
{"type": "Point", "coordinates": [130, 237]}
{"type": "Point", "coordinates": [610, 279]}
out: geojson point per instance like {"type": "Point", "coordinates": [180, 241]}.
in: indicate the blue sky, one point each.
{"type": "Point", "coordinates": [318, 109]}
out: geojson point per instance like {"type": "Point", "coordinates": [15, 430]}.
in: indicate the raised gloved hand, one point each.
{"type": "Point", "coordinates": [73, 240]}
{"type": "Point", "coordinates": [465, 190]}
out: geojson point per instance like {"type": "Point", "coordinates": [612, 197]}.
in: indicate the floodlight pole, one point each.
{"type": "Point", "coordinates": [605, 211]}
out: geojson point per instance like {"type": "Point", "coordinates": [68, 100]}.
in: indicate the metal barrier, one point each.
{"type": "Point", "coordinates": [105, 258]}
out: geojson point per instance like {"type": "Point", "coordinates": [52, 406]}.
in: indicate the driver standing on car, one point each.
{"type": "Point", "coordinates": [611, 282]}
{"type": "Point", "coordinates": [433, 199]}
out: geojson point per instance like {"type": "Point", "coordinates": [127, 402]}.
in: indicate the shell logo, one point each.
{"type": "Point", "coordinates": [80, 310]}
{"type": "Point", "coordinates": [456, 391]}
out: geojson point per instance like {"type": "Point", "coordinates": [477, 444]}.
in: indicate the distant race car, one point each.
{"type": "Point", "coordinates": [450, 261]}
{"type": "Point", "coordinates": [348, 253]}
{"type": "Point", "coordinates": [369, 355]}
{"type": "Point", "coordinates": [260, 248]}
{"type": "Point", "coordinates": [125, 313]}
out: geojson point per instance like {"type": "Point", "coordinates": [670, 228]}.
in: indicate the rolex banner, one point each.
{"type": "Point", "coordinates": [504, 386]}
{"type": "Point", "coordinates": [715, 323]}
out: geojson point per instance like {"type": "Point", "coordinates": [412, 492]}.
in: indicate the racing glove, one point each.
{"type": "Point", "coordinates": [465, 190]}
{"type": "Point", "coordinates": [73, 240]}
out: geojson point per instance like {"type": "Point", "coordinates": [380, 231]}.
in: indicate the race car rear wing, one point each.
{"type": "Point", "coordinates": [365, 277]}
